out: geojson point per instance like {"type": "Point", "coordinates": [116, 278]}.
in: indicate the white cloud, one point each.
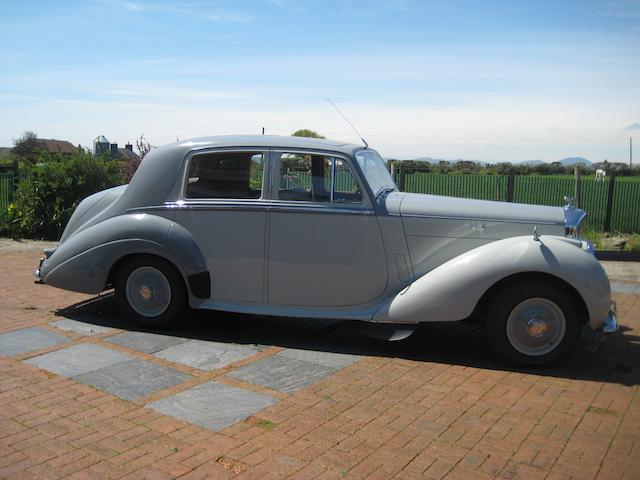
{"type": "Point", "coordinates": [183, 10]}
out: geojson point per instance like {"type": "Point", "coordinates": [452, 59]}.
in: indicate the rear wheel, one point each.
{"type": "Point", "coordinates": [150, 291]}
{"type": "Point", "coordinates": [532, 323]}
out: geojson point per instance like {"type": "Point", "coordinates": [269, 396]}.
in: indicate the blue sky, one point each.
{"type": "Point", "coordinates": [489, 80]}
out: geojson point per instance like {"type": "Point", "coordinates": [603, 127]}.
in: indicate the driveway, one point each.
{"type": "Point", "coordinates": [84, 394]}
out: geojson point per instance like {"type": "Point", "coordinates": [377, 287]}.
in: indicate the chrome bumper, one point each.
{"type": "Point", "coordinates": [47, 253]}
{"type": "Point", "coordinates": [610, 323]}
{"type": "Point", "coordinates": [36, 272]}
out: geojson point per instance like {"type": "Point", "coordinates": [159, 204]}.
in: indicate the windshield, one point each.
{"type": "Point", "coordinates": [374, 171]}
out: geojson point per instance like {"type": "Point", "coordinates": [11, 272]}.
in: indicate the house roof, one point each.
{"type": "Point", "coordinates": [56, 146]}
{"type": "Point", "coordinates": [124, 154]}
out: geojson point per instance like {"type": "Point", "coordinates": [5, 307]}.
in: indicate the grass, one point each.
{"type": "Point", "coordinates": [266, 424]}
{"type": "Point", "coordinates": [611, 241]}
{"type": "Point", "coordinates": [601, 411]}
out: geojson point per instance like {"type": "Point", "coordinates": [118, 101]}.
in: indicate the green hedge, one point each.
{"type": "Point", "coordinates": [52, 189]}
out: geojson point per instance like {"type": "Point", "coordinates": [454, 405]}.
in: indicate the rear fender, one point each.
{"type": "Point", "coordinates": [451, 291]}
{"type": "Point", "coordinates": [83, 262]}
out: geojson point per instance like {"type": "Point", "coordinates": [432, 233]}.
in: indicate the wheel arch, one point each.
{"type": "Point", "coordinates": [198, 284]}
{"type": "Point", "coordinates": [124, 259]}
{"type": "Point", "coordinates": [480, 311]}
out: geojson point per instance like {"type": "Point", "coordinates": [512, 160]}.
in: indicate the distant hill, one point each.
{"type": "Point", "coordinates": [575, 160]}
{"type": "Point", "coordinates": [531, 162]}
{"type": "Point", "coordinates": [434, 161]}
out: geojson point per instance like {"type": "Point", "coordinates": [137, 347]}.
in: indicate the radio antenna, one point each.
{"type": "Point", "coordinates": [366, 145]}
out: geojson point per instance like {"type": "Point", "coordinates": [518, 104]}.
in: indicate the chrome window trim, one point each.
{"type": "Point", "coordinates": [206, 151]}
{"type": "Point", "coordinates": [365, 203]}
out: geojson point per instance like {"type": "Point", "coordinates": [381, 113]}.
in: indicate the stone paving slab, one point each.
{"type": "Point", "coordinates": [78, 359]}
{"type": "Point", "coordinates": [133, 379]}
{"type": "Point", "coordinates": [28, 340]}
{"type": "Point", "coordinates": [82, 328]}
{"type": "Point", "coordinates": [626, 288]}
{"type": "Point", "coordinates": [282, 373]}
{"type": "Point", "coordinates": [326, 359]}
{"type": "Point", "coordinates": [213, 405]}
{"type": "Point", "coordinates": [144, 341]}
{"type": "Point", "coordinates": [207, 355]}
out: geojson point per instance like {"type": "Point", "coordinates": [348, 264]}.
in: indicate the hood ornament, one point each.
{"type": "Point", "coordinates": [570, 202]}
{"type": "Point", "coordinates": [536, 237]}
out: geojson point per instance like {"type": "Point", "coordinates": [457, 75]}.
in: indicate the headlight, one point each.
{"type": "Point", "coordinates": [588, 247]}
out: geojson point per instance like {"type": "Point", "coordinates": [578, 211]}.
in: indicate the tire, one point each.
{"type": "Point", "coordinates": [532, 324]}
{"type": "Point", "coordinates": [150, 291]}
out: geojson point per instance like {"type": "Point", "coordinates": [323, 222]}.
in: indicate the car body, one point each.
{"type": "Point", "coordinates": [310, 228]}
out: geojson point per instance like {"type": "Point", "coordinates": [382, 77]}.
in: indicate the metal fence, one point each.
{"type": "Point", "coordinates": [7, 188]}
{"type": "Point", "coordinates": [612, 204]}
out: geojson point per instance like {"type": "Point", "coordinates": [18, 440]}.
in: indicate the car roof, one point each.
{"type": "Point", "coordinates": [157, 177]}
{"type": "Point", "coordinates": [269, 141]}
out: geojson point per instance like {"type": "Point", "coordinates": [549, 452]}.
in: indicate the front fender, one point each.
{"type": "Point", "coordinates": [82, 263]}
{"type": "Point", "coordinates": [451, 291]}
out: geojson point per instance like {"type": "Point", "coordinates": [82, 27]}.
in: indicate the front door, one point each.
{"type": "Point", "coordinates": [225, 212]}
{"type": "Point", "coordinates": [325, 245]}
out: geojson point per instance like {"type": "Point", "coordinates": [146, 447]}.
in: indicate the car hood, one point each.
{"type": "Point", "coordinates": [432, 215]}
{"type": "Point", "coordinates": [414, 204]}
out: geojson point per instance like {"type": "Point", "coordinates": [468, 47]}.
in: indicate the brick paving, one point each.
{"type": "Point", "coordinates": [438, 405]}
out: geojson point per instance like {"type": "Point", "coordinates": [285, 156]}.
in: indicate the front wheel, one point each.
{"type": "Point", "coordinates": [532, 323]}
{"type": "Point", "coordinates": [150, 291]}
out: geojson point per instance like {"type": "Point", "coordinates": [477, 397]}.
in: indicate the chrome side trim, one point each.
{"type": "Point", "coordinates": [255, 206]}
{"type": "Point", "coordinates": [476, 219]}
{"type": "Point", "coordinates": [326, 210]}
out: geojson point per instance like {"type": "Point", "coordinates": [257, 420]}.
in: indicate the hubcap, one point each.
{"type": "Point", "coordinates": [536, 326]}
{"type": "Point", "coordinates": [148, 291]}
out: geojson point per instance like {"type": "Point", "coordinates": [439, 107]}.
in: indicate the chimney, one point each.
{"type": "Point", "coordinates": [114, 150]}
{"type": "Point", "coordinates": [129, 147]}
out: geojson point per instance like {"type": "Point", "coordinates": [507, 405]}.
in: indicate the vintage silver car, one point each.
{"type": "Point", "coordinates": [303, 228]}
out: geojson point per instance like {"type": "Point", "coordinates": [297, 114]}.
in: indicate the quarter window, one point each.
{"type": "Point", "coordinates": [316, 178]}
{"type": "Point", "coordinates": [225, 175]}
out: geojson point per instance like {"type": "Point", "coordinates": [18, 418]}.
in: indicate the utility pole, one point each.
{"type": "Point", "coordinates": [630, 152]}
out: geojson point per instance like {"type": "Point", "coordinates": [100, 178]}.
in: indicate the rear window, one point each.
{"type": "Point", "coordinates": [225, 175]}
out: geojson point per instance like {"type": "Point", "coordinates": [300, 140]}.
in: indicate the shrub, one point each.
{"type": "Point", "coordinates": [53, 188]}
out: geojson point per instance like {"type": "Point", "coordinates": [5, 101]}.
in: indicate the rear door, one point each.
{"type": "Point", "coordinates": [225, 210]}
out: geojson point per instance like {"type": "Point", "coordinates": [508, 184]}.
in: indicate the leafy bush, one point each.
{"type": "Point", "coordinates": [53, 188]}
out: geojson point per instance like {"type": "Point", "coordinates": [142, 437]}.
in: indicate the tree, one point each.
{"type": "Point", "coordinates": [26, 147]}
{"type": "Point", "coordinates": [305, 132]}
{"type": "Point", "coordinates": [143, 146]}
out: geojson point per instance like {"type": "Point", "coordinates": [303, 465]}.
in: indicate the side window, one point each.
{"type": "Point", "coordinates": [316, 178]}
{"type": "Point", "coordinates": [345, 188]}
{"type": "Point", "coordinates": [225, 175]}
